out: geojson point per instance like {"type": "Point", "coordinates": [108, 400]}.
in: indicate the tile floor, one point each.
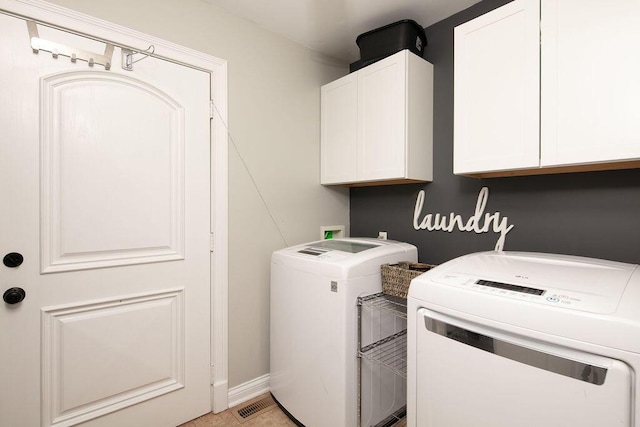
{"type": "Point", "coordinates": [273, 417]}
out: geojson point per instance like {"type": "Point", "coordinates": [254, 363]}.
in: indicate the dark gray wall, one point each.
{"type": "Point", "coordinates": [594, 214]}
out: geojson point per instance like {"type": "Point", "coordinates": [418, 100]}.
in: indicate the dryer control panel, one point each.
{"type": "Point", "coordinates": [538, 294]}
{"type": "Point", "coordinates": [562, 281]}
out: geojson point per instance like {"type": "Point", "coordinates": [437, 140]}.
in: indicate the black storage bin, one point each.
{"type": "Point", "coordinates": [384, 41]}
{"type": "Point", "coordinates": [361, 63]}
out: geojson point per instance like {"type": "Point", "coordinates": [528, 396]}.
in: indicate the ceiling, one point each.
{"type": "Point", "coordinates": [331, 26]}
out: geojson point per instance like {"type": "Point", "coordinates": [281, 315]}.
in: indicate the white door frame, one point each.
{"type": "Point", "coordinates": [89, 26]}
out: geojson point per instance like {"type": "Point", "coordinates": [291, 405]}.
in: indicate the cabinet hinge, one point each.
{"type": "Point", "coordinates": [210, 242]}
{"type": "Point", "coordinates": [212, 108]}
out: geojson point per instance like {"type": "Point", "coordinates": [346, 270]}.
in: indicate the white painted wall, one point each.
{"type": "Point", "coordinates": [274, 121]}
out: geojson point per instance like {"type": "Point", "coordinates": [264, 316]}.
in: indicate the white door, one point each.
{"type": "Point", "coordinates": [104, 186]}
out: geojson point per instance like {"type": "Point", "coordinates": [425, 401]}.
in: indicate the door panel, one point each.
{"type": "Point", "coordinates": [98, 209]}
{"type": "Point", "coordinates": [104, 179]}
{"type": "Point", "coordinates": [78, 338]}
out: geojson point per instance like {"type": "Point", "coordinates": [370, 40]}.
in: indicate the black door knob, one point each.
{"type": "Point", "coordinates": [14, 295]}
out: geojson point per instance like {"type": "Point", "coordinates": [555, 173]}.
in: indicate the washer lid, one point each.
{"type": "Point", "coordinates": [346, 257]}
{"type": "Point", "coordinates": [349, 246]}
{"type": "Point", "coordinates": [569, 282]}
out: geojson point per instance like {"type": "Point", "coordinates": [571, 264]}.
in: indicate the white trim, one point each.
{"type": "Point", "coordinates": [220, 230]}
{"type": "Point", "coordinates": [96, 28]}
{"type": "Point", "coordinates": [248, 390]}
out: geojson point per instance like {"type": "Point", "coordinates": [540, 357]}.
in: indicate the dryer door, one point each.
{"type": "Point", "coordinates": [469, 375]}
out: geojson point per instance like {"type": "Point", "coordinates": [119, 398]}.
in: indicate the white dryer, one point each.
{"type": "Point", "coordinates": [314, 290]}
{"type": "Point", "coordinates": [524, 339]}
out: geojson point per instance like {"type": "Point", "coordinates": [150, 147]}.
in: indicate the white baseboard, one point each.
{"type": "Point", "coordinates": [247, 391]}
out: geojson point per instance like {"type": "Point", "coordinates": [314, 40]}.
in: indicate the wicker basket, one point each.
{"type": "Point", "coordinates": [397, 277]}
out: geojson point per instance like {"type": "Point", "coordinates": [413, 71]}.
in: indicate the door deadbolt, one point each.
{"type": "Point", "coordinates": [13, 259]}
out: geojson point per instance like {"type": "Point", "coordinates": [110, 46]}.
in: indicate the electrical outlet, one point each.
{"type": "Point", "coordinates": [382, 235]}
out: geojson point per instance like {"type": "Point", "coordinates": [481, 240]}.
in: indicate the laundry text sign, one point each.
{"type": "Point", "coordinates": [479, 222]}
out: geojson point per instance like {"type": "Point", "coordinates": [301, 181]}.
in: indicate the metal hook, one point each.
{"type": "Point", "coordinates": [127, 57]}
{"type": "Point", "coordinates": [57, 49]}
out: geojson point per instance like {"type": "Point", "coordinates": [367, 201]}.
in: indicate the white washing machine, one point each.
{"type": "Point", "coordinates": [524, 339]}
{"type": "Point", "coordinates": [314, 290]}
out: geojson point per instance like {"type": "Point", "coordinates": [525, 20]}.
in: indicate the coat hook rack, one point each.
{"type": "Point", "coordinates": [128, 54]}
{"type": "Point", "coordinates": [57, 49]}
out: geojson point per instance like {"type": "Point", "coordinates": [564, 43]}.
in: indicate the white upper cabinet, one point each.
{"type": "Point", "coordinates": [496, 90]}
{"type": "Point", "coordinates": [548, 86]}
{"type": "Point", "coordinates": [590, 81]}
{"type": "Point", "coordinates": [376, 124]}
{"type": "Point", "coordinates": [339, 130]}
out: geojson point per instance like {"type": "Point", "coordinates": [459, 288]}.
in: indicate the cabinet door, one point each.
{"type": "Point", "coordinates": [496, 90]}
{"type": "Point", "coordinates": [590, 83]}
{"type": "Point", "coordinates": [381, 119]}
{"type": "Point", "coordinates": [338, 135]}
